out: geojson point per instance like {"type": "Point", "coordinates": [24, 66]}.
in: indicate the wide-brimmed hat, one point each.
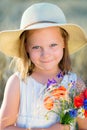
{"type": "Point", "coordinates": [37, 16]}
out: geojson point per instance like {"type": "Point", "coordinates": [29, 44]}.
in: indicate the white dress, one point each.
{"type": "Point", "coordinates": [31, 110]}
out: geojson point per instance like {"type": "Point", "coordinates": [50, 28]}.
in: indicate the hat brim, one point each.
{"type": "Point", "coordinates": [10, 41]}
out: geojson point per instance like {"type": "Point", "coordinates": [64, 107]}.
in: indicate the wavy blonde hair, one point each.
{"type": "Point", "coordinates": [22, 63]}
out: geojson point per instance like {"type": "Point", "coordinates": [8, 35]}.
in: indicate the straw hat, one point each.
{"type": "Point", "coordinates": [41, 15]}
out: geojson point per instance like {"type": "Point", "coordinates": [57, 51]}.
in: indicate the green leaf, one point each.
{"type": "Point", "coordinates": [66, 119]}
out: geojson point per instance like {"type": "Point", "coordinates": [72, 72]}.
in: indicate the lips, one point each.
{"type": "Point", "coordinates": [48, 61]}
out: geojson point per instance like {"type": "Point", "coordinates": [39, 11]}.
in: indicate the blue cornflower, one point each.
{"type": "Point", "coordinates": [51, 82]}
{"type": "Point", "coordinates": [60, 75]}
{"type": "Point", "coordinates": [85, 104]}
{"type": "Point", "coordinates": [73, 113]}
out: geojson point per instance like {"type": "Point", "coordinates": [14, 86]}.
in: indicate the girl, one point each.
{"type": "Point", "coordinates": [41, 49]}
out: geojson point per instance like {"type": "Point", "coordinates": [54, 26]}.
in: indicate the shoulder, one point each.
{"type": "Point", "coordinates": [13, 77]}
{"type": "Point", "coordinates": [13, 82]}
{"type": "Point", "coordinates": [12, 87]}
{"type": "Point", "coordinates": [12, 92]}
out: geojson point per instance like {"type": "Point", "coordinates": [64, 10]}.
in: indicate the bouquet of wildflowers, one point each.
{"type": "Point", "coordinates": [66, 103]}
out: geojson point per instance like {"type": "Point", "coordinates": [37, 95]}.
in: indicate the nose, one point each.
{"type": "Point", "coordinates": [45, 53]}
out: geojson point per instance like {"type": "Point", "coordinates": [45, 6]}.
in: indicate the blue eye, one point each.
{"type": "Point", "coordinates": [35, 47]}
{"type": "Point", "coordinates": [53, 44]}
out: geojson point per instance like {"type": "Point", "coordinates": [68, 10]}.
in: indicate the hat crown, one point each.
{"type": "Point", "coordinates": [42, 12]}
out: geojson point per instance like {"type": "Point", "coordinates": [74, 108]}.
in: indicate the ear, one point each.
{"type": "Point", "coordinates": [63, 45]}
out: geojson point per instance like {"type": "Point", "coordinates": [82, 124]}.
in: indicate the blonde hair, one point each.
{"type": "Point", "coordinates": [22, 63]}
{"type": "Point", "coordinates": [65, 63]}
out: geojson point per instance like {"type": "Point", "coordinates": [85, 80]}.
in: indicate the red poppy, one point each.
{"type": "Point", "coordinates": [78, 101]}
{"type": "Point", "coordinates": [85, 113]}
{"type": "Point", "coordinates": [48, 103]}
{"type": "Point", "coordinates": [59, 92]}
{"type": "Point", "coordinates": [62, 88]}
{"type": "Point", "coordinates": [55, 93]}
{"type": "Point", "coordinates": [85, 93]}
{"type": "Point", "coordinates": [81, 95]}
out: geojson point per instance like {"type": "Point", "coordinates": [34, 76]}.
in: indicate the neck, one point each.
{"type": "Point", "coordinates": [47, 73]}
{"type": "Point", "coordinates": [43, 76]}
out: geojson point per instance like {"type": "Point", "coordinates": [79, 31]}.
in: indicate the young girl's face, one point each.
{"type": "Point", "coordinates": [45, 47]}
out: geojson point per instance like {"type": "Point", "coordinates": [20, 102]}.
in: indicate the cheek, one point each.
{"type": "Point", "coordinates": [33, 56]}
{"type": "Point", "coordinates": [31, 53]}
{"type": "Point", "coordinates": [59, 55]}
